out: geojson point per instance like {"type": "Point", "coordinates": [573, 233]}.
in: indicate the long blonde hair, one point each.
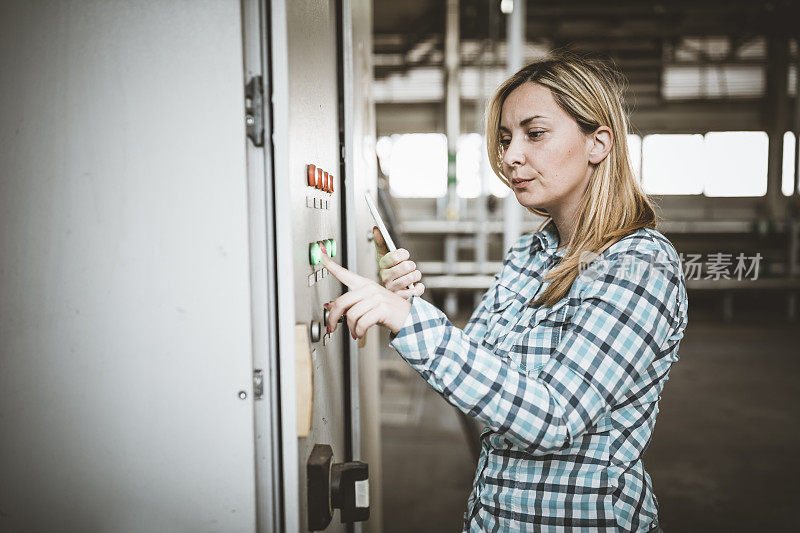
{"type": "Point", "coordinates": [613, 205]}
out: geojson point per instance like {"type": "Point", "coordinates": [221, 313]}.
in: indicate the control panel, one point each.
{"type": "Point", "coordinates": [320, 187]}
{"type": "Point", "coordinates": [323, 137]}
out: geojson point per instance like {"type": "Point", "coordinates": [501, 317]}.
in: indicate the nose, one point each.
{"type": "Point", "coordinates": [513, 155]}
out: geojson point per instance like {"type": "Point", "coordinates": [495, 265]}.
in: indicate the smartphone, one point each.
{"type": "Point", "coordinates": [376, 216]}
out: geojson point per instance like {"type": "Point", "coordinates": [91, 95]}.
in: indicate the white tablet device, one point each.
{"type": "Point", "coordinates": [381, 226]}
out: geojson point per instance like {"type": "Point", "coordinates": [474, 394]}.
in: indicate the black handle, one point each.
{"type": "Point", "coordinates": [329, 485]}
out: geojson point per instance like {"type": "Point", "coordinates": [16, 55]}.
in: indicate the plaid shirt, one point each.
{"type": "Point", "coordinates": [569, 393]}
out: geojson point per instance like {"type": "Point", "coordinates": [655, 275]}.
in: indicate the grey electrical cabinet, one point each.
{"type": "Point", "coordinates": [160, 364]}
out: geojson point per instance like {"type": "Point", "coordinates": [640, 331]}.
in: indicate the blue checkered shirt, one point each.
{"type": "Point", "coordinates": [568, 394]}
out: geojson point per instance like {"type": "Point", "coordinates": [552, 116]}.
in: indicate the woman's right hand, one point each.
{"type": "Point", "coordinates": [397, 270]}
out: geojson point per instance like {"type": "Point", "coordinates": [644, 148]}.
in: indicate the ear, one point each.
{"type": "Point", "coordinates": [600, 144]}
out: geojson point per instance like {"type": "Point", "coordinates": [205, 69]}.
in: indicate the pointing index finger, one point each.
{"type": "Point", "coordinates": [351, 279]}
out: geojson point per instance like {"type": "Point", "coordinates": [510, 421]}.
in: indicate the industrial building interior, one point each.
{"type": "Point", "coordinates": [712, 92]}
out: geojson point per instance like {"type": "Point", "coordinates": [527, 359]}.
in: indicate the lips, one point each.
{"type": "Point", "coordinates": [520, 182]}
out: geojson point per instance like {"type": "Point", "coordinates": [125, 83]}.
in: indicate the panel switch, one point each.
{"type": "Point", "coordinates": [314, 253]}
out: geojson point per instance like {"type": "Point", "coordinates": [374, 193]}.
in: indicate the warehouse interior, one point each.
{"type": "Point", "coordinates": [712, 88]}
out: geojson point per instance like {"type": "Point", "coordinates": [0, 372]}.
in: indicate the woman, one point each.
{"type": "Point", "coordinates": [566, 355]}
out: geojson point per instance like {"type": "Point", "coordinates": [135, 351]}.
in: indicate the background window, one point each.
{"type": "Point", "coordinates": [729, 163]}
{"type": "Point", "coordinates": [713, 81]}
{"type": "Point", "coordinates": [635, 153]}
{"type": "Point", "coordinates": [736, 163]}
{"type": "Point", "coordinates": [788, 163]}
{"type": "Point", "coordinates": [673, 164]}
{"type": "Point", "coordinates": [383, 149]}
{"type": "Point", "coordinates": [468, 165]}
{"type": "Point", "coordinates": [472, 165]}
{"type": "Point", "coordinates": [417, 165]}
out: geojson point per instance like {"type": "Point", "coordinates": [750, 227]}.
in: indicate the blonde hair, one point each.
{"type": "Point", "coordinates": [613, 205]}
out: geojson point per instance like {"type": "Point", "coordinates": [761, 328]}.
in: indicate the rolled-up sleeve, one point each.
{"type": "Point", "coordinates": [625, 316]}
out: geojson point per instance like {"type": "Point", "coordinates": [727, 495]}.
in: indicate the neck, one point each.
{"type": "Point", "coordinates": [565, 223]}
{"type": "Point", "coordinates": [565, 214]}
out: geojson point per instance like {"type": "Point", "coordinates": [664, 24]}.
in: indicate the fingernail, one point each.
{"type": "Point", "coordinates": [328, 328]}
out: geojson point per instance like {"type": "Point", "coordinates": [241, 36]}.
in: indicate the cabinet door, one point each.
{"type": "Point", "coordinates": [126, 360]}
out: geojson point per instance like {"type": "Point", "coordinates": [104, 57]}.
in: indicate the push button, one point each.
{"type": "Point", "coordinates": [320, 178]}
{"type": "Point", "coordinates": [315, 331]}
{"type": "Point", "coordinates": [331, 247]}
{"type": "Point", "coordinates": [326, 314]}
{"type": "Point", "coordinates": [314, 253]}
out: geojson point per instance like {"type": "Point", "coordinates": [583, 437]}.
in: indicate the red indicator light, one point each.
{"type": "Point", "coordinates": [312, 176]}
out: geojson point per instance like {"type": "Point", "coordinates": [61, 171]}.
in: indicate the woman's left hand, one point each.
{"type": "Point", "coordinates": [366, 303]}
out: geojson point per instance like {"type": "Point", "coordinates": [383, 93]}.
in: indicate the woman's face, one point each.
{"type": "Point", "coordinates": [545, 154]}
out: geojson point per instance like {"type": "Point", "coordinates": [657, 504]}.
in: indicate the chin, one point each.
{"type": "Point", "coordinates": [528, 200]}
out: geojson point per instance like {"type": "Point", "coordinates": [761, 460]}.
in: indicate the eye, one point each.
{"type": "Point", "coordinates": [535, 134]}
{"type": "Point", "coordinates": [504, 142]}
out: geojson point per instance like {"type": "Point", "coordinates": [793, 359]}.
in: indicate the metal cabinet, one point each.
{"type": "Point", "coordinates": [155, 260]}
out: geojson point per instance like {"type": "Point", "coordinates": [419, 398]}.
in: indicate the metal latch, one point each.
{"type": "Point", "coordinates": [254, 110]}
{"type": "Point", "coordinates": [258, 384]}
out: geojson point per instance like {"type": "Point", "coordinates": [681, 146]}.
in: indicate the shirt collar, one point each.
{"type": "Point", "coordinates": [545, 238]}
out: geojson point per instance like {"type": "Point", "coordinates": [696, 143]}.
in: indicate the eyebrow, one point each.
{"type": "Point", "coordinates": [524, 122]}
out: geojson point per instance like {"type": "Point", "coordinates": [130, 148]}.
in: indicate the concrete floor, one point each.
{"type": "Point", "coordinates": [724, 455]}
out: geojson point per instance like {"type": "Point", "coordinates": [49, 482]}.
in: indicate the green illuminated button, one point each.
{"type": "Point", "coordinates": [331, 247]}
{"type": "Point", "coordinates": [314, 253]}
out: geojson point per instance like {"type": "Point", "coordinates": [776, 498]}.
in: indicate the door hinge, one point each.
{"type": "Point", "coordinates": [258, 384]}
{"type": "Point", "coordinates": [254, 110]}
